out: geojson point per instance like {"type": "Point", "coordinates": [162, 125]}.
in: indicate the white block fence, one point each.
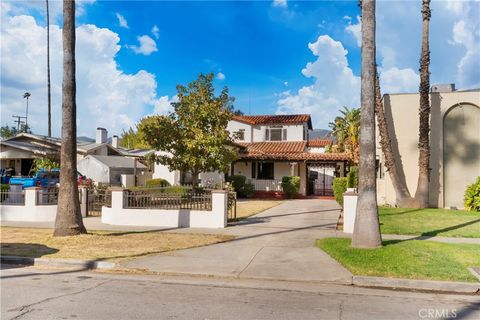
{"type": "Point", "coordinates": [118, 214]}
{"type": "Point", "coordinates": [28, 205]}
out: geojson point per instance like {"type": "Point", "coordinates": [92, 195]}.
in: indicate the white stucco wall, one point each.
{"type": "Point", "coordinates": [234, 126]}
{"type": "Point", "coordinates": [402, 116]}
{"type": "Point", "coordinates": [294, 132]}
{"type": "Point", "coordinates": [316, 150]}
{"type": "Point", "coordinates": [94, 170]}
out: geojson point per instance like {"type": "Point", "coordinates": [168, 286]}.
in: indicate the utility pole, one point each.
{"type": "Point", "coordinates": [19, 121]}
{"type": "Point", "coordinates": [48, 74]}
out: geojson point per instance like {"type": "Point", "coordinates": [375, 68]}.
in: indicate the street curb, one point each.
{"type": "Point", "coordinates": [419, 285]}
{"type": "Point", "coordinates": [59, 263]}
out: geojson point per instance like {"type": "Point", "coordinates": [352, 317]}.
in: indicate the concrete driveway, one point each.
{"type": "Point", "coordinates": [275, 244]}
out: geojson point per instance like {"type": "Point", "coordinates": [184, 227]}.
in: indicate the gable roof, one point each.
{"type": "Point", "coordinates": [32, 142]}
{"type": "Point", "coordinates": [275, 119]}
{"type": "Point", "coordinates": [117, 161]}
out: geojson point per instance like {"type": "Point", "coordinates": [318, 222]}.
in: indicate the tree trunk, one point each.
{"type": "Point", "coordinates": [421, 194]}
{"type": "Point", "coordinates": [69, 219]}
{"type": "Point", "coordinates": [195, 179]}
{"type": "Point", "coordinates": [404, 198]}
{"type": "Point", "coordinates": [48, 73]}
{"type": "Point", "coordinates": [366, 232]}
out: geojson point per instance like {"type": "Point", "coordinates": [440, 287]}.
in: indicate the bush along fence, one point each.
{"type": "Point", "coordinates": [161, 207]}
{"type": "Point", "coordinates": [33, 204]}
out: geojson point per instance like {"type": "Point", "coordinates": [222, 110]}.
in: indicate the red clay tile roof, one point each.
{"type": "Point", "coordinates": [289, 151]}
{"type": "Point", "coordinates": [276, 119]}
{"type": "Point", "coordinates": [319, 143]}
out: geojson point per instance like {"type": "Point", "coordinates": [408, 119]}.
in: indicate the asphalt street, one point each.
{"type": "Point", "coordinates": [32, 293]}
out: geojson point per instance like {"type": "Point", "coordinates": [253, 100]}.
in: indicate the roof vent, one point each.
{"type": "Point", "coordinates": [450, 87]}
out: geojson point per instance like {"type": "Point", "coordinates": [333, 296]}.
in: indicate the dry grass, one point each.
{"type": "Point", "coordinates": [248, 208]}
{"type": "Point", "coordinates": [112, 246]}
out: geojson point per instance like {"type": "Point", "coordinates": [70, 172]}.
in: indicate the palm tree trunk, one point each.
{"type": "Point", "coordinates": [421, 195]}
{"type": "Point", "coordinates": [48, 73]}
{"type": "Point", "coordinates": [366, 232]}
{"type": "Point", "coordinates": [69, 219]}
{"type": "Point", "coordinates": [404, 198]}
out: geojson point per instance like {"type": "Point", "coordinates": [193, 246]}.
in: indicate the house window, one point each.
{"type": "Point", "coordinates": [276, 133]}
{"type": "Point", "coordinates": [240, 134]}
{"type": "Point", "coordinates": [265, 170]}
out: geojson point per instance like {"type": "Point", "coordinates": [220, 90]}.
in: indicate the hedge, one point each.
{"type": "Point", "coordinates": [352, 177]}
{"type": "Point", "coordinates": [339, 187]}
{"type": "Point", "coordinates": [472, 196]}
{"type": "Point", "coordinates": [157, 183]}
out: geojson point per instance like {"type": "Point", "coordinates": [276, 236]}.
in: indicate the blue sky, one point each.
{"type": "Point", "coordinates": [275, 56]}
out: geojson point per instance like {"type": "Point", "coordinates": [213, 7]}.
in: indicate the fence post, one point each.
{"type": "Point", "coordinates": [349, 211]}
{"type": "Point", "coordinates": [31, 196]}
{"type": "Point", "coordinates": [83, 201]}
{"type": "Point", "coordinates": [220, 206]}
{"type": "Point", "coordinates": [117, 197]}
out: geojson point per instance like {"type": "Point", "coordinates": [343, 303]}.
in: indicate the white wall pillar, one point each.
{"type": "Point", "coordinates": [83, 201]}
{"type": "Point", "coordinates": [349, 211]}
{"type": "Point", "coordinates": [31, 197]}
{"type": "Point", "coordinates": [220, 207]}
{"type": "Point", "coordinates": [117, 197]}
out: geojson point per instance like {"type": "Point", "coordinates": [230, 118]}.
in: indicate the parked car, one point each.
{"type": "Point", "coordinates": [43, 178]}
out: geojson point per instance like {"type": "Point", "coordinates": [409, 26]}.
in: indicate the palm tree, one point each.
{"type": "Point", "coordinates": [366, 233]}
{"type": "Point", "coordinates": [48, 73]}
{"type": "Point", "coordinates": [26, 95]}
{"type": "Point", "coordinates": [346, 130]}
{"type": "Point", "coordinates": [69, 219]}
{"type": "Point", "coordinates": [421, 194]}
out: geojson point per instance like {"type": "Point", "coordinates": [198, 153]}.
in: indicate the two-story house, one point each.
{"type": "Point", "coordinates": [274, 146]}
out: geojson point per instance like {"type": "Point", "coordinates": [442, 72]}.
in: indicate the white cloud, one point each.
{"type": "Point", "coordinates": [156, 32]}
{"type": "Point", "coordinates": [163, 105]}
{"type": "Point", "coordinates": [280, 3]}
{"type": "Point", "coordinates": [334, 86]}
{"type": "Point", "coordinates": [106, 96]}
{"type": "Point", "coordinates": [122, 21]}
{"type": "Point", "coordinates": [147, 46]}
{"type": "Point", "coordinates": [220, 76]}
{"type": "Point", "coordinates": [355, 30]}
{"type": "Point", "coordinates": [396, 80]}
{"type": "Point", "coordinates": [285, 83]}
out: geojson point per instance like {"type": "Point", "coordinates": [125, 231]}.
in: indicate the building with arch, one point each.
{"type": "Point", "coordinates": [454, 144]}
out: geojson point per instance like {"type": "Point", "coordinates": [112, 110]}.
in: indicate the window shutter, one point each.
{"type": "Point", "coordinates": [284, 134]}
{"type": "Point", "coordinates": [254, 165]}
{"type": "Point", "coordinates": [267, 134]}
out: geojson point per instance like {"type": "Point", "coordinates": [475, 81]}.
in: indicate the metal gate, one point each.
{"type": "Point", "coordinates": [320, 179]}
{"type": "Point", "coordinates": [96, 199]}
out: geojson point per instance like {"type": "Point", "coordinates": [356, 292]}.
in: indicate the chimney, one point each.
{"type": "Point", "coordinates": [115, 141]}
{"type": "Point", "coordinates": [450, 87]}
{"type": "Point", "coordinates": [101, 136]}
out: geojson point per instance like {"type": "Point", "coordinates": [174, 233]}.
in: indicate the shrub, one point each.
{"type": "Point", "coordinates": [472, 196]}
{"type": "Point", "coordinates": [291, 185]}
{"type": "Point", "coordinates": [352, 177]}
{"type": "Point", "coordinates": [339, 187]}
{"type": "Point", "coordinates": [238, 182]}
{"type": "Point", "coordinates": [157, 183]}
{"type": "Point", "coordinates": [4, 187]}
{"type": "Point", "coordinates": [249, 190]}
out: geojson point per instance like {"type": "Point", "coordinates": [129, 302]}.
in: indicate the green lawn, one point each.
{"type": "Point", "coordinates": [430, 222]}
{"type": "Point", "coordinates": [412, 259]}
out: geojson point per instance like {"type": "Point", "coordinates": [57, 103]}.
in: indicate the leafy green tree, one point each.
{"type": "Point", "coordinates": [8, 132]}
{"type": "Point", "coordinates": [194, 136]}
{"type": "Point", "coordinates": [132, 139]}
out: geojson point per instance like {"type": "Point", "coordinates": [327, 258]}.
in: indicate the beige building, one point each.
{"type": "Point", "coordinates": [454, 141]}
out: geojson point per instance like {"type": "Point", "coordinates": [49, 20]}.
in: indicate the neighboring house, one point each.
{"type": "Point", "coordinates": [274, 146]}
{"type": "Point", "coordinates": [109, 169]}
{"type": "Point", "coordinates": [19, 152]}
{"type": "Point", "coordinates": [454, 141]}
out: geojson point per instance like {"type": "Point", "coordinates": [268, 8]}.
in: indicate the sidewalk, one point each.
{"type": "Point", "coordinates": [276, 244]}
